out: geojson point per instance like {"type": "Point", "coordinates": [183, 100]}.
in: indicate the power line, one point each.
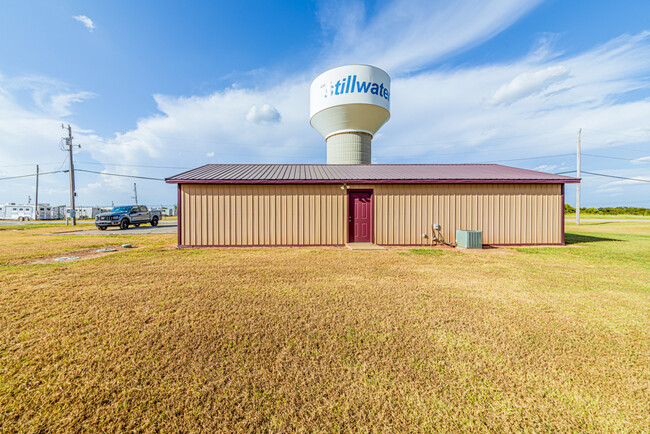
{"type": "Point", "coordinates": [607, 156]}
{"type": "Point", "coordinates": [31, 164]}
{"type": "Point", "coordinates": [528, 158]}
{"type": "Point", "coordinates": [64, 160]}
{"type": "Point", "coordinates": [120, 174]}
{"type": "Point", "coordinates": [31, 174]}
{"type": "Point", "coordinates": [303, 146]}
{"type": "Point", "coordinates": [626, 145]}
{"type": "Point", "coordinates": [133, 165]}
{"type": "Point", "coordinates": [606, 176]}
{"type": "Point", "coordinates": [461, 141]}
{"type": "Point", "coordinates": [617, 177]}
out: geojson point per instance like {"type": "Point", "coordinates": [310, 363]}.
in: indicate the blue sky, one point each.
{"type": "Point", "coordinates": [161, 83]}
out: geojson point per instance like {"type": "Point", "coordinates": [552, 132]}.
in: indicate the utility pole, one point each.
{"type": "Point", "coordinates": [578, 184]}
{"type": "Point", "coordinates": [72, 190]}
{"type": "Point", "coordinates": [135, 193]}
{"type": "Point", "coordinates": [36, 209]}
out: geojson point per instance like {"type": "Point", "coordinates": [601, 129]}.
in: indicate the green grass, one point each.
{"type": "Point", "coordinates": [429, 252]}
{"type": "Point", "coordinates": [607, 217]}
{"type": "Point", "coordinates": [602, 248]}
{"type": "Point", "coordinates": [23, 226]}
{"type": "Point", "coordinates": [326, 339]}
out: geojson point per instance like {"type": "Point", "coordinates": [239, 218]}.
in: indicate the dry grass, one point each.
{"type": "Point", "coordinates": [160, 339]}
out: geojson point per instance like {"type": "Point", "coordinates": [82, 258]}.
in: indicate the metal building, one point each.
{"type": "Point", "coordinates": [299, 205]}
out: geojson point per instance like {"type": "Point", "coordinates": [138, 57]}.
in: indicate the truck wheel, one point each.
{"type": "Point", "coordinates": [124, 224]}
{"type": "Point", "coordinates": [101, 228]}
{"type": "Point", "coordinates": [154, 221]}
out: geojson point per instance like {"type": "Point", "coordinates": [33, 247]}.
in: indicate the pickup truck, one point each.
{"type": "Point", "coordinates": [123, 216]}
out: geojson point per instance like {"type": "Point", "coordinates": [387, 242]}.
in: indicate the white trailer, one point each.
{"type": "Point", "coordinates": [20, 212]}
{"type": "Point", "coordinates": [84, 212]}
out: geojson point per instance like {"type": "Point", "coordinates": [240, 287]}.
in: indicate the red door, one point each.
{"type": "Point", "coordinates": [360, 216]}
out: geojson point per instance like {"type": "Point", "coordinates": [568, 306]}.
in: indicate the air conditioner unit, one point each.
{"type": "Point", "coordinates": [469, 239]}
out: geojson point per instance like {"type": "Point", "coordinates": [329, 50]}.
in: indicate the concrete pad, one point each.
{"type": "Point", "coordinates": [364, 246]}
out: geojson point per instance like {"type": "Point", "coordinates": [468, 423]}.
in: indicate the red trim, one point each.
{"type": "Point", "coordinates": [372, 181]}
{"type": "Point", "coordinates": [562, 214]}
{"type": "Point", "coordinates": [372, 210]}
{"type": "Point", "coordinates": [258, 245]}
{"type": "Point", "coordinates": [179, 214]}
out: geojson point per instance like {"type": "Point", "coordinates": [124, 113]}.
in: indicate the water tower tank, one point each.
{"type": "Point", "coordinates": [348, 105]}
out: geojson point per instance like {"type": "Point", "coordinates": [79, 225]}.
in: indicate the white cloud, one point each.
{"type": "Point", "coordinates": [59, 104]}
{"type": "Point", "coordinates": [641, 160]}
{"type": "Point", "coordinates": [85, 21]}
{"type": "Point", "coordinates": [454, 123]}
{"type": "Point", "coordinates": [438, 116]}
{"type": "Point", "coordinates": [406, 35]}
{"type": "Point", "coordinates": [636, 180]}
{"type": "Point", "coordinates": [625, 191]}
{"type": "Point", "coordinates": [529, 83]}
{"type": "Point", "coordinates": [47, 96]}
{"type": "Point", "coordinates": [264, 114]}
{"type": "Point", "coordinates": [546, 167]}
{"type": "Point", "coordinates": [455, 116]}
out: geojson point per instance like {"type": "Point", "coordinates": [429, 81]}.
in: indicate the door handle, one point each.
{"type": "Point", "coordinates": [350, 219]}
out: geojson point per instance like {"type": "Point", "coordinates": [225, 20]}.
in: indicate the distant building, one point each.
{"type": "Point", "coordinates": [84, 212]}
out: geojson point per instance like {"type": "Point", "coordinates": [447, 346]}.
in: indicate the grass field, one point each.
{"type": "Point", "coordinates": [607, 217]}
{"type": "Point", "coordinates": [326, 339]}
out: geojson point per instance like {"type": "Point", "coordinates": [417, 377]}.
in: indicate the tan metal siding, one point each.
{"type": "Point", "coordinates": [304, 214]}
{"type": "Point", "coordinates": [223, 215]}
{"type": "Point", "coordinates": [506, 213]}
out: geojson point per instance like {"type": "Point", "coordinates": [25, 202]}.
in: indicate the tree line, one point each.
{"type": "Point", "coordinates": [619, 210]}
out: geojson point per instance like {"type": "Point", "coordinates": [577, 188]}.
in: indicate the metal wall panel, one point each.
{"type": "Point", "coordinates": [506, 213]}
{"type": "Point", "coordinates": [304, 214]}
{"type": "Point", "coordinates": [246, 215]}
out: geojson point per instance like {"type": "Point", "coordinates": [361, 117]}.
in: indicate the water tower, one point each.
{"type": "Point", "coordinates": [348, 105]}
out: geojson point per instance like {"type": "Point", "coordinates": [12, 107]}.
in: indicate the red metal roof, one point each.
{"type": "Point", "coordinates": [363, 173]}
